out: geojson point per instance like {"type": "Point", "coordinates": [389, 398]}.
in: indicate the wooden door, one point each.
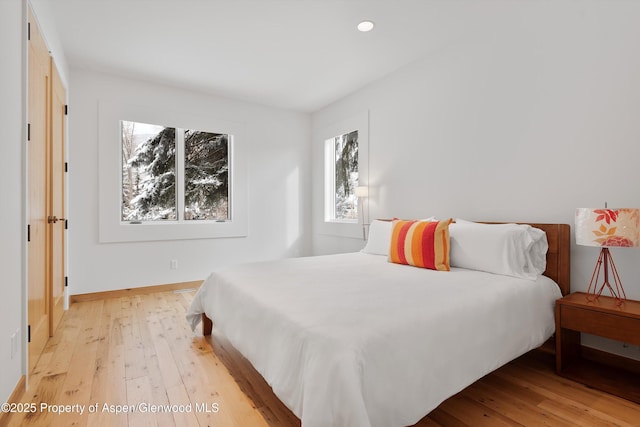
{"type": "Point", "coordinates": [56, 199]}
{"type": "Point", "coordinates": [38, 288]}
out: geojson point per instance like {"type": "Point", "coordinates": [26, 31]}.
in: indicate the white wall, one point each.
{"type": "Point", "coordinates": [12, 231]}
{"type": "Point", "coordinates": [527, 120]}
{"type": "Point", "coordinates": [44, 16]}
{"type": "Point", "coordinates": [279, 180]}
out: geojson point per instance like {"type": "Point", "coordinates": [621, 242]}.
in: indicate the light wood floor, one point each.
{"type": "Point", "coordinates": [140, 350]}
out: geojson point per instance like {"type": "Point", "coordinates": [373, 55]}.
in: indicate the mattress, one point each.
{"type": "Point", "coordinates": [352, 340]}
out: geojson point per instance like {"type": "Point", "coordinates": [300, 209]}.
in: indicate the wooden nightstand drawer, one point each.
{"type": "Point", "coordinates": [614, 326]}
{"type": "Point", "coordinates": [602, 317]}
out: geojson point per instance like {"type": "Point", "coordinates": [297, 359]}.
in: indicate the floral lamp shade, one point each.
{"type": "Point", "coordinates": [608, 227]}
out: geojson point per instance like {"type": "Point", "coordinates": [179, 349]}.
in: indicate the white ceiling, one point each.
{"type": "Point", "coordinates": [293, 54]}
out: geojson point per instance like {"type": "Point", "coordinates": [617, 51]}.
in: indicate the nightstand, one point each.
{"type": "Point", "coordinates": [574, 314]}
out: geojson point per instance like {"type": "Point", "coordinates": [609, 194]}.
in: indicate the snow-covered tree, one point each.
{"type": "Point", "coordinates": [206, 175]}
{"type": "Point", "coordinates": [128, 146]}
{"type": "Point", "coordinates": [346, 179]}
{"type": "Point", "coordinates": [155, 160]}
{"type": "Point", "coordinates": [206, 179]}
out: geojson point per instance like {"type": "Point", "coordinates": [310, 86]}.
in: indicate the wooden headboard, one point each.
{"type": "Point", "coordinates": [558, 255]}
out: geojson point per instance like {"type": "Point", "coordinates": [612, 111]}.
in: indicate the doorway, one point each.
{"type": "Point", "coordinates": [45, 194]}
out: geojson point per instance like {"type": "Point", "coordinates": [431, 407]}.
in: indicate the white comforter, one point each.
{"type": "Point", "coordinates": [352, 340]}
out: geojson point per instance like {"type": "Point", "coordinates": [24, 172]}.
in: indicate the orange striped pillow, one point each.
{"type": "Point", "coordinates": [421, 244]}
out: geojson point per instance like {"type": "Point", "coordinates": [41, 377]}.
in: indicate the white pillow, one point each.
{"type": "Point", "coordinates": [379, 239]}
{"type": "Point", "coordinates": [508, 249]}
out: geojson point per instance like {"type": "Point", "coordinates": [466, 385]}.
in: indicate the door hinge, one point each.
{"type": "Point", "coordinates": [66, 224]}
{"type": "Point", "coordinates": [66, 109]}
{"type": "Point", "coordinates": [66, 166]}
{"type": "Point", "coordinates": [28, 232]}
{"type": "Point", "coordinates": [29, 333]}
{"type": "Point", "coordinates": [66, 281]}
{"type": "Point", "coordinates": [28, 131]}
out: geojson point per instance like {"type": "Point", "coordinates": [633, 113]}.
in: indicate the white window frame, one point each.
{"type": "Point", "coordinates": [111, 226]}
{"type": "Point", "coordinates": [325, 170]}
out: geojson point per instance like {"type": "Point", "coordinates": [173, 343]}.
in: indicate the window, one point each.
{"type": "Point", "coordinates": [170, 174]}
{"type": "Point", "coordinates": [341, 177]}
{"type": "Point", "coordinates": [148, 172]}
{"type": "Point", "coordinates": [342, 152]}
{"type": "Point", "coordinates": [206, 175]}
{"type": "Point", "coordinates": [173, 174]}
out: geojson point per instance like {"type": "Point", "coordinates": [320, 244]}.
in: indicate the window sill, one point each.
{"type": "Point", "coordinates": [126, 232]}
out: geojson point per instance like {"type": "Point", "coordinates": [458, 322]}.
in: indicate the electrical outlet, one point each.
{"type": "Point", "coordinates": [174, 264]}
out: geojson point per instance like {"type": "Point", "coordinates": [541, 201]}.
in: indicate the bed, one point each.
{"type": "Point", "coordinates": [353, 340]}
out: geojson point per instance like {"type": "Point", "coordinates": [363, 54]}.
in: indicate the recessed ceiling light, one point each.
{"type": "Point", "coordinates": [365, 26]}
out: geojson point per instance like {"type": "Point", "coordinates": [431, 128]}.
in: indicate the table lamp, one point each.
{"type": "Point", "coordinates": [607, 228]}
